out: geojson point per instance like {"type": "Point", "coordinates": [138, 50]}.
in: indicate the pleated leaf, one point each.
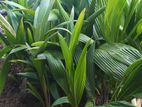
{"type": "Point", "coordinates": [114, 59]}
{"type": "Point", "coordinates": [131, 83]}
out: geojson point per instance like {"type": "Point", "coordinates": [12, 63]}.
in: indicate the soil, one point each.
{"type": "Point", "coordinates": [15, 94]}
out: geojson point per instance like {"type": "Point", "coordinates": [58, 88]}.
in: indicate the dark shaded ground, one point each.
{"type": "Point", "coordinates": [15, 94]}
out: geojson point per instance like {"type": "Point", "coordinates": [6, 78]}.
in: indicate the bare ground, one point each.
{"type": "Point", "coordinates": [15, 94]}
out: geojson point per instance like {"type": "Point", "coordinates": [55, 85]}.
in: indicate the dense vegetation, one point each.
{"type": "Point", "coordinates": [79, 53]}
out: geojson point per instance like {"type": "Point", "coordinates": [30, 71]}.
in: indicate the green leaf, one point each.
{"type": "Point", "coordinates": [20, 35]}
{"type": "Point", "coordinates": [41, 23]}
{"type": "Point", "coordinates": [60, 101]}
{"type": "Point", "coordinates": [53, 15]}
{"type": "Point", "coordinates": [26, 11]}
{"type": "Point", "coordinates": [71, 24]}
{"type": "Point", "coordinates": [57, 70]}
{"type": "Point", "coordinates": [90, 104]}
{"type": "Point", "coordinates": [91, 82]}
{"type": "Point", "coordinates": [11, 3]}
{"type": "Point", "coordinates": [39, 43]}
{"type": "Point", "coordinates": [118, 104]}
{"type": "Point", "coordinates": [40, 68]}
{"type": "Point", "coordinates": [95, 14]}
{"type": "Point", "coordinates": [111, 104]}
{"type": "Point", "coordinates": [83, 38]}
{"type": "Point", "coordinates": [14, 20]}
{"type": "Point", "coordinates": [54, 90]}
{"type": "Point", "coordinates": [4, 73]}
{"type": "Point", "coordinates": [131, 83]}
{"type": "Point", "coordinates": [29, 75]}
{"type": "Point", "coordinates": [66, 53]}
{"type": "Point", "coordinates": [114, 58]}
{"type": "Point", "coordinates": [18, 49]}
{"type": "Point", "coordinates": [22, 2]}
{"type": "Point", "coordinates": [4, 23]}
{"type": "Point", "coordinates": [21, 61]}
{"type": "Point", "coordinates": [4, 51]}
{"type": "Point", "coordinates": [91, 8]}
{"type": "Point", "coordinates": [80, 75]}
{"type": "Point", "coordinates": [38, 64]}
{"type": "Point", "coordinates": [113, 20]}
{"type": "Point", "coordinates": [30, 36]}
{"type": "Point", "coordinates": [76, 32]}
{"type": "Point", "coordinates": [63, 13]}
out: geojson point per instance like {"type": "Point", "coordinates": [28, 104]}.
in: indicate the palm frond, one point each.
{"type": "Point", "coordinates": [114, 59]}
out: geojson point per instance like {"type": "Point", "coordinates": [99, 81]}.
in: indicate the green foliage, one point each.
{"type": "Point", "coordinates": [76, 32]}
{"type": "Point", "coordinates": [131, 83]}
{"type": "Point", "coordinates": [51, 38]}
{"type": "Point", "coordinates": [112, 20]}
{"type": "Point", "coordinates": [4, 73]}
{"type": "Point", "coordinates": [20, 36]}
{"type": "Point", "coordinates": [76, 77]}
{"type": "Point", "coordinates": [60, 101]}
{"type": "Point", "coordinates": [10, 33]}
{"type": "Point", "coordinates": [120, 56]}
{"type": "Point", "coordinates": [41, 23]}
{"type": "Point", "coordinates": [112, 104]}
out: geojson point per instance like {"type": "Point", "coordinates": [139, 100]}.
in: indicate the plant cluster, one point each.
{"type": "Point", "coordinates": [79, 53]}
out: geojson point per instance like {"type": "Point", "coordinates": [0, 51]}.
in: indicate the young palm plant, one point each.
{"type": "Point", "coordinates": [115, 58]}
{"type": "Point", "coordinates": [23, 40]}
{"type": "Point", "coordinates": [76, 77]}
